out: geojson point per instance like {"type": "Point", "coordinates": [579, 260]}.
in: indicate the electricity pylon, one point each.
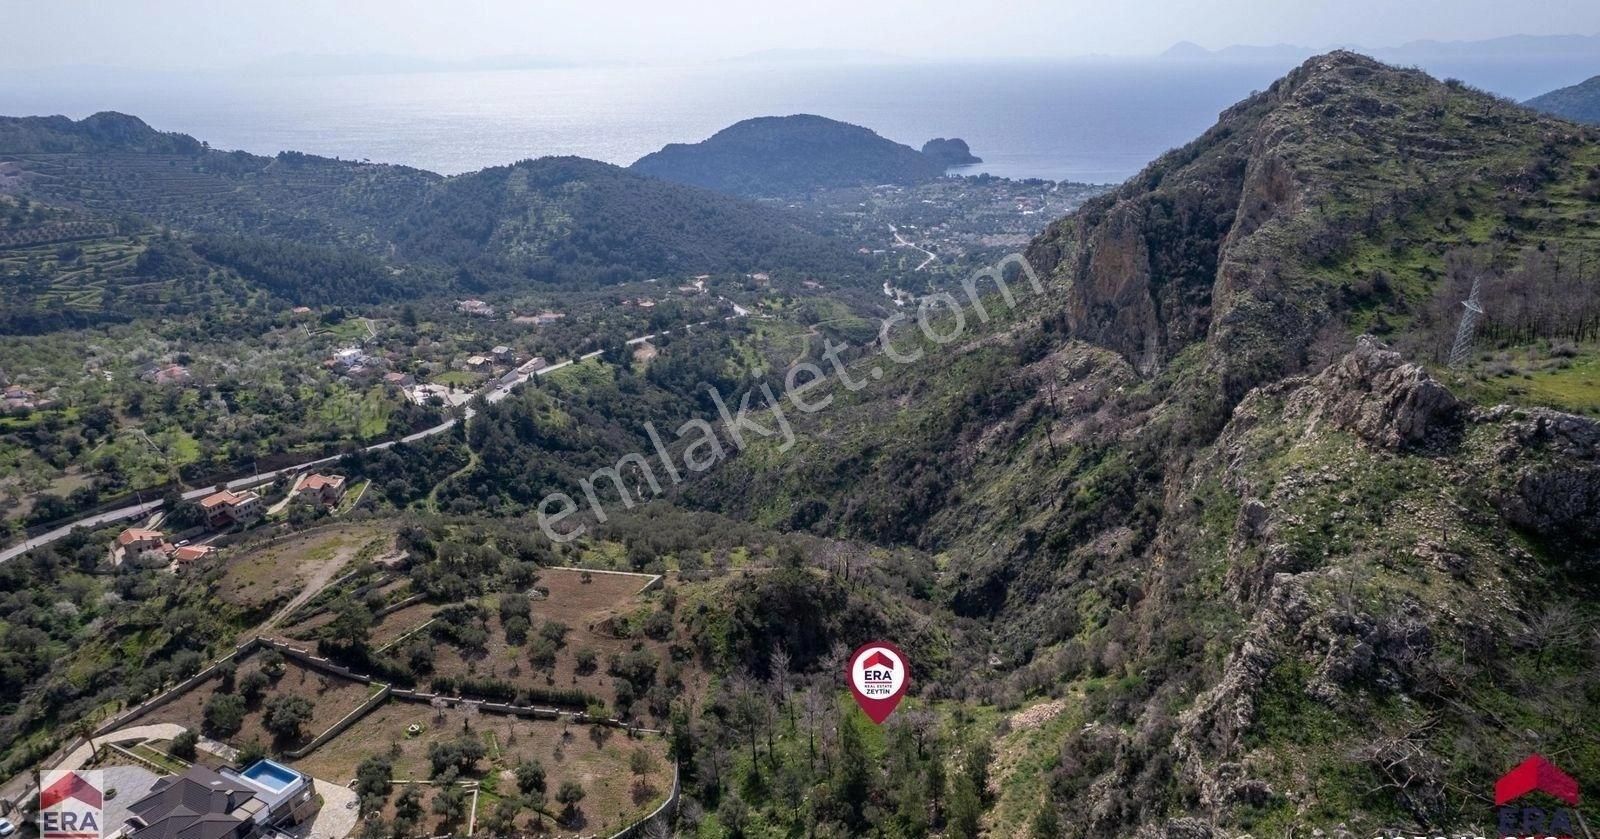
{"type": "Point", "coordinates": [1469, 324]}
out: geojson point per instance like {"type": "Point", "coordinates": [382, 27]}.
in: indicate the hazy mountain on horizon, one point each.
{"type": "Point", "coordinates": [1507, 46]}
{"type": "Point", "coordinates": [1516, 66]}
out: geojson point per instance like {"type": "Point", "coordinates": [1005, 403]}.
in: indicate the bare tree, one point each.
{"type": "Point", "coordinates": [780, 679]}
{"type": "Point", "coordinates": [814, 704]}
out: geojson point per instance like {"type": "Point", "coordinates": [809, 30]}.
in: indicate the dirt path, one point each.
{"type": "Point", "coordinates": [805, 344]}
{"type": "Point", "coordinates": [432, 501]}
{"type": "Point", "coordinates": [321, 575]}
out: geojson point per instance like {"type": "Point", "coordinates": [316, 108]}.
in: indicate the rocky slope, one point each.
{"type": "Point", "coordinates": [1257, 236]}
{"type": "Point", "coordinates": [1289, 578]}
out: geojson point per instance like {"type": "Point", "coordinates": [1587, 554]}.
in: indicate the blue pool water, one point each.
{"type": "Point", "coordinates": [273, 776]}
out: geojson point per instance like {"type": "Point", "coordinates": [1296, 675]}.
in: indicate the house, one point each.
{"type": "Point", "coordinates": [300, 310]}
{"type": "Point", "coordinates": [501, 353]}
{"type": "Point", "coordinates": [19, 398]}
{"type": "Point", "coordinates": [203, 803]}
{"type": "Point", "coordinates": [348, 357]}
{"type": "Point", "coordinates": [227, 508]}
{"type": "Point", "coordinates": [477, 362]}
{"type": "Point", "coordinates": [476, 308]}
{"type": "Point", "coordinates": [544, 318]}
{"type": "Point", "coordinates": [171, 374]}
{"type": "Point", "coordinates": [321, 489]}
{"type": "Point", "coordinates": [190, 553]}
{"type": "Point", "coordinates": [136, 542]}
{"type": "Point", "coordinates": [400, 380]}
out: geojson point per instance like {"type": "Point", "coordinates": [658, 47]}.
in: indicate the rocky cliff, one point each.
{"type": "Point", "coordinates": [1252, 238]}
{"type": "Point", "coordinates": [1286, 575]}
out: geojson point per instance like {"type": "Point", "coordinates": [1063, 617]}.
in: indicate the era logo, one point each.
{"type": "Point", "coordinates": [69, 804]}
{"type": "Point", "coordinates": [1536, 774]}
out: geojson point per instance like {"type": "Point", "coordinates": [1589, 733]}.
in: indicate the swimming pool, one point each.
{"type": "Point", "coordinates": [272, 775]}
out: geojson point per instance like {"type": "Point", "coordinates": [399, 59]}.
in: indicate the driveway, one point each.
{"type": "Point", "coordinates": [337, 817]}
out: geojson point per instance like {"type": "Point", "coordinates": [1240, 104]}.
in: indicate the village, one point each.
{"type": "Point", "coordinates": [321, 376]}
{"type": "Point", "coordinates": [224, 511]}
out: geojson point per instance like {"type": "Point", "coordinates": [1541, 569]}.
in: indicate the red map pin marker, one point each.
{"type": "Point", "coordinates": [878, 676]}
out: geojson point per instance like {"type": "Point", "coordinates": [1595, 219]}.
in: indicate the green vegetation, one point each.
{"type": "Point", "coordinates": [779, 156]}
{"type": "Point", "coordinates": [1170, 549]}
{"type": "Point", "coordinates": [1579, 102]}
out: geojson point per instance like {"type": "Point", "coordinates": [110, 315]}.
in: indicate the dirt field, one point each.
{"type": "Point", "coordinates": [331, 699]}
{"type": "Point", "coordinates": [399, 622]}
{"type": "Point", "coordinates": [292, 570]}
{"type": "Point", "coordinates": [585, 608]}
{"type": "Point", "coordinates": [432, 824]}
{"type": "Point", "coordinates": [566, 750]}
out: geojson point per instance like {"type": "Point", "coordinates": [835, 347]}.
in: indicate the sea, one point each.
{"type": "Point", "coordinates": [1087, 120]}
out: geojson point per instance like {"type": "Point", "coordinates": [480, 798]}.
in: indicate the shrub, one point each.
{"type": "Point", "coordinates": [287, 715]}
{"type": "Point", "coordinates": [183, 745]}
{"type": "Point", "coordinates": [223, 715]}
{"type": "Point", "coordinates": [530, 777]}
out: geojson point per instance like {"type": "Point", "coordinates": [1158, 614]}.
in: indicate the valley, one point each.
{"type": "Point", "coordinates": [1196, 503]}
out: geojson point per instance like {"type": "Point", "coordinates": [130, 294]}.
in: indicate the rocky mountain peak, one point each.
{"type": "Point", "coordinates": [1375, 394]}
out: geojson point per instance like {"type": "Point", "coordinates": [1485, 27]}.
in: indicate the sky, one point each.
{"type": "Point", "coordinates": [198, 34]}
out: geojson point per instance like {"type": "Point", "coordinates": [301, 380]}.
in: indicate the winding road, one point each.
{"type": "Point", "coordinates": [494, 393]}
{"type": "Point", "coordinates": [902, 242]}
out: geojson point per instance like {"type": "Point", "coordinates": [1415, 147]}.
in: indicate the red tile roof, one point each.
{"type": "Point", "coordinates": [135, 534]}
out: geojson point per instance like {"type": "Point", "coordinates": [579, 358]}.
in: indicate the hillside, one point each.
{"type": "Point", "coordinates": [319, 230]}
{"type": "Point", "coordinates": [1276, 576]}
{"type": "Point", "coordinates": [1579, 102]}
{"type": "Point", "coordinates": [950, 152]}
{"type": "Point", "coordinates": [778, 156]}
{"type": "Point", "coordinates": [571, 220]}
{"type": "Point", "coordinates": [113, 164]}
{"type": "Point", "coordinates": [107, 131]}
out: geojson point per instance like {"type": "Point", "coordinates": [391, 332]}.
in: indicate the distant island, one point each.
{"type": "Point", "coordinates": [951, 152]}
{"type": "Point", "coordinates": [780, 156]}
{"type": "Point", "coordinates": [1579, 102]}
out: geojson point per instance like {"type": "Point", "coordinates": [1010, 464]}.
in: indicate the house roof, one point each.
{"type": "Point", "coordinates": [199, 804]}
{"type": "Point", "coordinates": [190, 553]}
{"type": "Point", "coordinates": [226, 498]}
{"type": "Point", "coordinates": [135, 534]}
{"type": "Point", "coordinates": [317, 482]}
{"type": "Point", "coordinates": [215, 500]}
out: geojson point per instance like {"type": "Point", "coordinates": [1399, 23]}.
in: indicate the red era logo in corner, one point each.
{"type": "Point", "coordinates": [69, 804]}
{"type": "Point", "coordinates": [1535, 774]}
